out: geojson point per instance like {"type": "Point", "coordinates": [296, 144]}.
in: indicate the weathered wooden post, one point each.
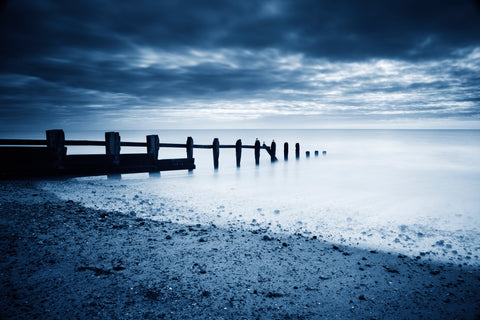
{"type": "Point", "coordinates": [216, 152]}
{"type": "Point", "coordinates": [56, 147]}
{"type": "Point", "coordinates": [316, 153]}
{"type": "Point", "coordinates": [297, 150]}
{"type": "Point", "coordinates": [257, 152]}
{"type": "Point", "coordinates": [238, 151]}
{"type": "Point", "coordinates": [307, 154]}
{"type": "Point", "coordinates": [112, 148]}
{"type": "Point", "coordinates": [273, 151]}
{"type": "Point", "coordinates": [285, 151]}
{"type": "Point", "coordinates": [190, 149]}
{"type": "Point", "coordinates": [153, 146]}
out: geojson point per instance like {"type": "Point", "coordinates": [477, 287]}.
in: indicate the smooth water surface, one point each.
{"type": "Point", "coordinates": [409, 191]}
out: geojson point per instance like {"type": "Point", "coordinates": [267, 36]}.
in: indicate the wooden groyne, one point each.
{"type": "Point", "coordinates": [39, 158]}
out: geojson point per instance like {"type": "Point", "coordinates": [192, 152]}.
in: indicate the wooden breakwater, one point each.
{"type": "Point", "coordinates": [20, 158]}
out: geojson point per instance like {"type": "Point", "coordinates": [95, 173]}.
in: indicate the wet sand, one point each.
{"type": "Point", "coordinates": [62, 260]}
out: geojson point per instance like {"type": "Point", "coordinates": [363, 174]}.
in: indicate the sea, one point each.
{"type": "Point", "coordinates": [410, 192]}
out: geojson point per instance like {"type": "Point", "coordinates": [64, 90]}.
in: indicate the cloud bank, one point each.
{"type": "Point", "coordinates": [217, 64]}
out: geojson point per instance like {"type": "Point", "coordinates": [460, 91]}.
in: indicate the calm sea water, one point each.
{"type": "Point", "coordinates": [415, 192]}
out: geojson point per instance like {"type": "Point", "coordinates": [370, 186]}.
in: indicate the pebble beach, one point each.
{"type": "Point", "coordinates": [63, 260]}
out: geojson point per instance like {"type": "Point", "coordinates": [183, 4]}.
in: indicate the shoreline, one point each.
{"type": "Point", "coordinates": [62, 260]}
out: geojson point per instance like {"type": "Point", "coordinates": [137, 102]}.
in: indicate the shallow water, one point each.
{"type": "Point", "coordinates": [408, 191]}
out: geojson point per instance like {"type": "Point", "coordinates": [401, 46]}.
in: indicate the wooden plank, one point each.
{"type": "Point", "coordinates": [22, 142]}
{"type": "Point", "coordinates": [176, 164]}
{"type": "Point", "coordinates": [202, 146]}
{"type": "Point", "coordinates": [133, 144]}
{"type": "Point", "coordinates": [173, 145]}
{"type": "Point", "coordinates": [84, 143]}
{"type": "Point", "coordinates": [91, 165]}
{"type": "Point", "coordinates": [20, 162]}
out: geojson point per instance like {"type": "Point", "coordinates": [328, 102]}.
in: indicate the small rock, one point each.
{"type": "Point", "coordinates": [168, 237]}
{"type": "Point", "coordinates": [267, 238]}
{"type": "Point", "coordinates": [362, 297]}
{"type": "Point", "coordinates": [440, 242]}
{"type": "Point", "coordinates": [274, 295]}
{"type": "Point", "coordinates": [434, 272]}
{"type": "Point", "coordinates": [285, 244]}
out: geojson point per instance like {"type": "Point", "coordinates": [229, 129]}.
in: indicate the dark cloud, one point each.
{"type": "Point", "coordinates": [62, 59]}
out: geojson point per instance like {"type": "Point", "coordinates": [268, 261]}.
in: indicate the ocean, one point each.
{"type": "Point", "coordinates": [412, 192]}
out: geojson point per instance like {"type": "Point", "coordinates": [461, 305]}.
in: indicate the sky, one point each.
{"type": "Point", "coordinates": [223, 64]}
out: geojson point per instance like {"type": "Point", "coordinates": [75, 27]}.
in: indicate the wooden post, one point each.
{"type": "Point", "coordinates": [112, 147]}
{"type": "Point", "coordinates": [285, 151]}
{"type": "Point", "coordinates": [307, 154]}
{"type": "Point", "coordinates": [316, 153]}
{"type": "Point", "coordinates": [238, 151]}
{"type": "Point", "coordinates": [56, 146]}
{"type": "Point", "coordinates": [153, 146]}
{"type": "Point", "coordinates": [257, 152]}
{"type": "Point", "coordinates": [297, 150]}
{"type": "Point", "coordinates": [190, 149]}
{"type": "Point", "coordinates": [216, 152]}
{"type": "Point", "coordinates": [273, 151]}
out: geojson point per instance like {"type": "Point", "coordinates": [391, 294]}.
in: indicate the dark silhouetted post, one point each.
{"type": "Point", "coordinates": [112, 148]}
{"type": "Point", "coordinates": [285, 151]}
{"type": "Point", "coordinates": [297, 150]}
{"type": "Point", "coordinates": [324, 152]}
{"type": "Point", "coordinates": [238, 151]}
{"type": "Point", "coordinates": [316, 153]}
{"type": "Point", "coordinates": [56, 146]}
{"type": "Point", "coordinates": [257, 152]}
{"type": "Point", "coordinates": [307, 154]}
{"type": "Point", "coordinates": [153, 146]}
{"type": "Point", "coordinates": [216, 152]}
{"type": "Point", "coordinates": [273, 151]}
{"type": "Point", "coordinates": [190, 149]}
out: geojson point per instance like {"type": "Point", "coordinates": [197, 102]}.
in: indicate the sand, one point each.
{"type": "Point", "coordinates": [61, 260]}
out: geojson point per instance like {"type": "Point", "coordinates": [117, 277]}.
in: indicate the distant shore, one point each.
{"type": "Point", "coordinates": [62, 260]}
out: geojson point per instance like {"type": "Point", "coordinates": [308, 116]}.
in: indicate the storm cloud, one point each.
{"type": "Point", "coordinates": [153, 64]}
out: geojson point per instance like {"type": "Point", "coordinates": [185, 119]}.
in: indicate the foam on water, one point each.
{"type": "Point", "coordinates": [412, 192]}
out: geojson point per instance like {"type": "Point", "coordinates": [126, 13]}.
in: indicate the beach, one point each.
{"type": "Point", "coordinates": [63, 260]}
